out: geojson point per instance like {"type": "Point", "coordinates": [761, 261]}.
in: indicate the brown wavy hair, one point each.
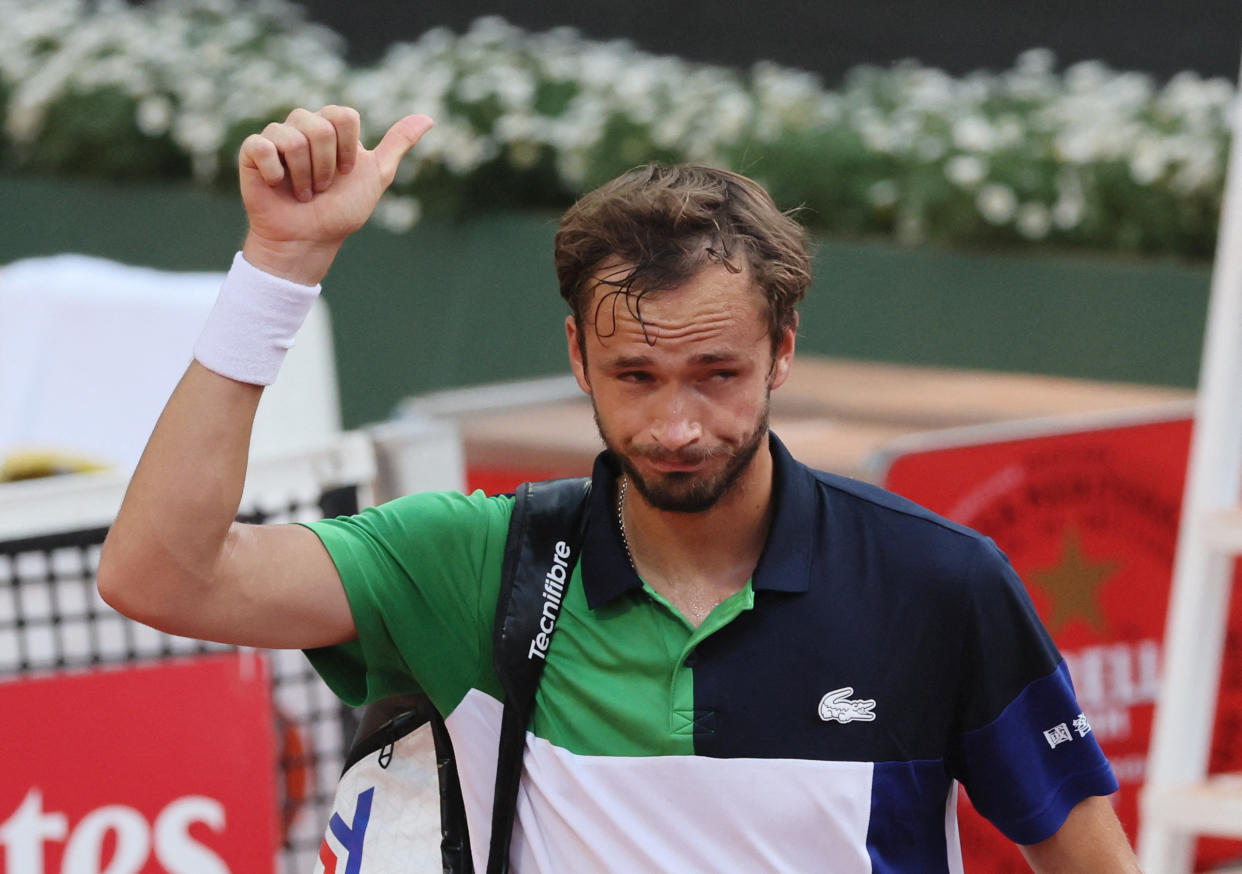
{"type": "Point", "coordinates": [663, 223]}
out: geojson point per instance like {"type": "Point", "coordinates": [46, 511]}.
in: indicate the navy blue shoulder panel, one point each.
{"type": "Point", "coordinates": [901, 607]}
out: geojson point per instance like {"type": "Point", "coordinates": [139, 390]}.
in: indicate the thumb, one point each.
{"type": "Point", "coordinates": [400, 138]}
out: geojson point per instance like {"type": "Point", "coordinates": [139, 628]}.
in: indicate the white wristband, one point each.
{"type": "Point", "coordinates": [252, 324]}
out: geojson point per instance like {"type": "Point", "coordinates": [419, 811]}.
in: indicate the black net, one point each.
{"type": "Point", "coordinates": [52, 619]}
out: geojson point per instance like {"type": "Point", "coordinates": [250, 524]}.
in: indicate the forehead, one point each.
{"type": "Point", "coordinates": [713, 305]}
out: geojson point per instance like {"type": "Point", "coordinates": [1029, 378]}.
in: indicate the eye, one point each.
{"type": "Point", "coordinates": [722, 375]}
{"type": "Point", "coordinates": [634, 376]}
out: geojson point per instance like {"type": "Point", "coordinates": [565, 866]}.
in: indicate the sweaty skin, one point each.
{"type": "Point", "coordinates": [175, 558]}
{"type": "Point", "coordinates": [682, 399]}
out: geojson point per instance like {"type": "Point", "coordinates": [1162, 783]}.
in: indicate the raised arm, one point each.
{"type": "Point", "coordinates": [175, 559]}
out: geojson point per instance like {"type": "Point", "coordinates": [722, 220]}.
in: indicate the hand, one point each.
{"type": "Point", "coordinates": [308, 183]}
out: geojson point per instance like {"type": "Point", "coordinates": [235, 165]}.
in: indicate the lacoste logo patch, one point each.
{"type": "Point", "coordinates": [837, 706]}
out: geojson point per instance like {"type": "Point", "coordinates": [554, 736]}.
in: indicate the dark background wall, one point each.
{"type": "Point", "coordinates": [830, 36]}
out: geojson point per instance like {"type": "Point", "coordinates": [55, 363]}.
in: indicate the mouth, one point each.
{"type": "Point", "coordinates": [687, 461]}
{"type": "Point", "coordinates": [670, 466]}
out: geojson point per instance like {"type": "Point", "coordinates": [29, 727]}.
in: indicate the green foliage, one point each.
{"type": "Point", "coordinates": [94, 134]}
{"type": "Point", "coordinates": [1084, 156]}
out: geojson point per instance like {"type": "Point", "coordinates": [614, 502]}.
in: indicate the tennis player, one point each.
{"type": "Point", "coordinates": [757, 667]}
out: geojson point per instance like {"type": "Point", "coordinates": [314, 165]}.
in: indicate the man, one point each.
{"type": "Point", "coordinates": [757, 667]}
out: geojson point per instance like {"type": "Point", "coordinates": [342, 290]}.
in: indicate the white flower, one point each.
{"type": "Point", "coordinates": [205, 165]}
{"type": "Point", "coordinates": [966, 171]}
{"type": "Point", "coordinates": [198, 133]}
{"type": "Point", "coordinates": [1033, 221]}
{"type": "Point", "coordinates": [460, 149]}
{"type": "Point", "coordinates": [929, 90]}
{"type": "Point", "coordinates": [883, 194]}
{"type": "Point", "coordinates": [24, 122]}
{"type": "Point", "coordinates": [603, 66]}
{"type": "Point", "coordinates": [1200, 172]}
{"type": "Point", "coordinates": [1068, 211]}
{"type": "Point", "coordinates": [154, 115]}
{"type": "Point", "coordinates": [1009, 131]}
{"type": "Point", "coordinates": [732, 113]}
{"type": "Point", "coordinates": [1037, 61]}
{"type": "Point", "coordinates": [875, 131]}
{"type": "Point", "coordinates": [996, 203]}
{"type": "Point", "coordinates": [1075, 146]}
{"type": "Point", "coordinates": [1087, 76]}
{"type": "Point", "coordinates": [573, 166]}
{"type": "Point", "coordinates": [974, 134]}
{"type": "Point", "coordinates": [397, 213]}
{"type": "Point", "coordinates": [1148, 161]}
{"type": "Point", "coordinates": [1071, 203]}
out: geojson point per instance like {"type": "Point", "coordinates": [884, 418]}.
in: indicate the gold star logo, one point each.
{"type": "Point", "coordinates": [1073, 585]}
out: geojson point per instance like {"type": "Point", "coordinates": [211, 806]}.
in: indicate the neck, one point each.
{"type": "Point", "coordinates": [721, 543]}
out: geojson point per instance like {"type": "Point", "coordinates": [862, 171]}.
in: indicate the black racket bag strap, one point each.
{"type": "Point", "coordinates": [545, 540]}
{"type": "Point", "coordinates": [385, 722]}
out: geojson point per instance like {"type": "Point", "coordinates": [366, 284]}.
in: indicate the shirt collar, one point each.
{"type": "Point", "coordinates": [784, 565]}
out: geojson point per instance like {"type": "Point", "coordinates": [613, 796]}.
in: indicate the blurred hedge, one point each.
{"type": "Point", "coordinates": [1034, 155]}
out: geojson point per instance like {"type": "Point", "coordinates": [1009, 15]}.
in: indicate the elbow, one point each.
{"type": "Point", "coordinates": [114, 580]}
{"type": "Point", "coordinates": [128, 583]}
{"type": "Point", "coordinates": [144, 580]}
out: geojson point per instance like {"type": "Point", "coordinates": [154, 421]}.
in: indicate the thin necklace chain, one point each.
{"type": "Point", "coordinates": [625, 540]}
{"type": "Point", "coordinates": [698, 605]}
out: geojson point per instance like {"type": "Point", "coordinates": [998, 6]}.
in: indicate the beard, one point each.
{"type": "Point", "coordinates": [689, 491]}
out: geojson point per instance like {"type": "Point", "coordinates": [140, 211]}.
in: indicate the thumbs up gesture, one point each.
{"type": "Point", "coordinates": [308, 183]}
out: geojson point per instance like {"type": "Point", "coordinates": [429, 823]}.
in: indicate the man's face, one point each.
{"type": "Point", "coordinates": [686, 413]}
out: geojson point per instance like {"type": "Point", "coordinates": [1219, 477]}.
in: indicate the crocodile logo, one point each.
{"type": "Point", "coordinates": [837, 706]}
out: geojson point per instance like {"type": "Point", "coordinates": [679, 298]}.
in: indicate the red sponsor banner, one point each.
{"type": "Point", "coordinates": [1089, 519]}
{"type": "Point", "coordinates": [493, 480]}
{"type": "Point", "coordinates": [138, 770]}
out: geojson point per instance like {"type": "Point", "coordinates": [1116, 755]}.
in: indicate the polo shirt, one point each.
{"type": "Point", "coordinates": [820, 719]}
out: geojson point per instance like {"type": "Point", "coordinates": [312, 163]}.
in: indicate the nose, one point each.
{"type": "Point", "coordinates": [675, 426]}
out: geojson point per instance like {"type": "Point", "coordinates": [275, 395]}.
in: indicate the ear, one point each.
{"type": "Point", "coordinates": [576, 361]}
{"type": "Point", "coordinates": [784, 356]}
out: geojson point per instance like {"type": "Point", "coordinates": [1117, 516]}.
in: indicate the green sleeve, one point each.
{"type": "Point", "coordinates": [421, 574]}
